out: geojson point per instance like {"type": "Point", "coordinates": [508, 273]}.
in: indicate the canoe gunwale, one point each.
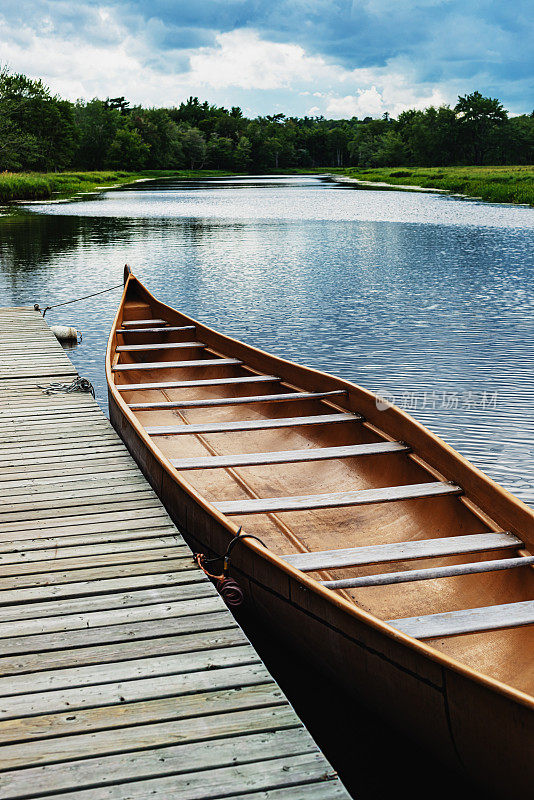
{"type": "Point", "coordinates": [469, 497]}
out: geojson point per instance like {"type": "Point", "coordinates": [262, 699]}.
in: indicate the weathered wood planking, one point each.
{"type": "Point", "coordinates": [251, 425]}
{"type": "Point", "coordinates": [402, 551]}
{"type": "Point", "coordinates": [470, 620]}
{"type": "Point", "coordinates": [122, 672]}
{"type": "Point", "coordinates": [337, 499]}
{"type": "Point", "coordinates": [134, 387]}
{"type": "Point", "coordinates": [28, 349]}
{"type": "Point", "coordinates": [288, 456]}
{"type": "Point", "coordinates": [232, 401]}
{"type": "Point", "coordinates": [127, 348]}
{"type": "Point", "coordinates": [206, 362]}
{"type": "Point", "coordinates": [136, 323]}
{"type": "Point", "coordinates": [165, 329]}
{"type": "Point", "coordinates": [448, 571]}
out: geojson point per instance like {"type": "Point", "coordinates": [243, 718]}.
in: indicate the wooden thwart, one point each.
{"type": "Point", "coordinates": [230, 401]}
{"type": "Point", "coordinates": [448, 571]}
{"type": "Point", "coordinates": [402, 551]}
{"type": "Point", "coordinates": [289, 456]}
{"type": "Point", "coordinates": [472, 620]}
{"type": "Point", "coordinates": [252, 425]}
{"type": "Point", "coordinates": [167, 329]}
{"type": "Point", "coordinates": [337, 499]}
{"type": "Point", "coordinates": [134, 323]}
{"type": "Point", "coordinates": [134, 387]}
{"type": "Point", "coordinates": [206, 362]}
{"type": "Point", "coordinates": [130, 348]}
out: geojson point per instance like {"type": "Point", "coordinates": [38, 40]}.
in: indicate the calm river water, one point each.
{"type": "Point", "coordinates": [425, 298]}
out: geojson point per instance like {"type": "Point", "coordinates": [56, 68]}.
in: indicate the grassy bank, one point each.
{"type": "Point", "coordinates": [45, 186]}
{"type": "Point", "coordinates": [495, 184]}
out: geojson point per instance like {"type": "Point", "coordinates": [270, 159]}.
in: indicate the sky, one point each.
{"type": "Point", "coordinates": [337, 58]}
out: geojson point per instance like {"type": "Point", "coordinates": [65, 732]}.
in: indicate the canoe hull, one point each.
{"type": "Point", "coordinates": [471, 726]}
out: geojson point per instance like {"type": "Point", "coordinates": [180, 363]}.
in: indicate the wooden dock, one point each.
{"type": "Point", "coordinates": [122, 673]}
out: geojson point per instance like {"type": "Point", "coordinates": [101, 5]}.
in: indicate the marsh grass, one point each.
{"type": "Point", "coordinates": [494, 184]}
{"type": "Point", "coordinates": [44, 186]}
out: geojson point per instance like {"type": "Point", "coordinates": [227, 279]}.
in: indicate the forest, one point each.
{"type": "Point", "coordinates": [42, 132]}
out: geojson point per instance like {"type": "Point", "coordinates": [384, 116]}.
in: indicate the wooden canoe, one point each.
{"type": "Point", "coordinates": [399, 568]}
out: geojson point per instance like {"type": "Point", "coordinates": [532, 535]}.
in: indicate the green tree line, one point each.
{"type": "Point", "coordinates": [42, 132]}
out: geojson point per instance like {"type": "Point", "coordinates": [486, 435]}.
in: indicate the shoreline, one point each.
{"type": "Point", "coordinates": [55, 187]}
{"type": "Point", "coordinates": [503, 185]}
{"type": "Point", "coordinates": [512, 185]}
{"type": "Point", "coordinates": [401, 187]}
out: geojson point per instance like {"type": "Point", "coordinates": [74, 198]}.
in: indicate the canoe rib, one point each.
{"type": "Point", "coordinates": [289, 456]}
{"type": "Point", "coordinates": [252, 425]}
{"type": "Point", "coordinates": [402, 551]}
{"type": "Point", "coordinates": [449, 571]}
{"type": "Point", "coordinates": [337, 499]}
{"type": "Point", "coordinates": [231, 401]}
{"type": "Point", "coordinates": [472, 620]}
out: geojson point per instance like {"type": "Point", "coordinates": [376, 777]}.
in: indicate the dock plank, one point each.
{"type": "Point", "coordinates": [120, 568]}
{"type": "Point", "coordinates": [185, 573]}
{"type": "Point", "coordinates": [123, 651]}
{"type": "Point", "coordinates": [150, 528]}
{"type": "Point", "coordinates": [132, 669]}
{"type": "Point", "coordinates": [161, 709]}
{"type": "Point", "coordinates": [143, 630]}
{"type": "Point", "coordinates": [300, 777]}
{"type": "Point", "coordinates": [102, 548]}
{"type": "Point", "coordinates": [176, 760]}
{"type": "Point", "coordinates": [162, 735]}
{"type": "Point", "coordinates": [106, 601]}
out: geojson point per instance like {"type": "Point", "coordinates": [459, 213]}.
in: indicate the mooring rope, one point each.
{"type": "Point", "coordinates": [77, 299]}
{"type": "Point", "coordinates": [77, 385]}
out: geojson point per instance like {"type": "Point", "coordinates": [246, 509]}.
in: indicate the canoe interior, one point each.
{"type": "Point", "coordinates": [500, 654]}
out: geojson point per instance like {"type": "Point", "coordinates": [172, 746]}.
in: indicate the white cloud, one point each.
{"type": "Point", "coordinates": [242, 59]}
{"type": "Point", "coordinates": [239, 68]}
{"type": "Point", "coordinates": [367, 103]}
{"type": "Point", "coordinates": [157, 52]}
